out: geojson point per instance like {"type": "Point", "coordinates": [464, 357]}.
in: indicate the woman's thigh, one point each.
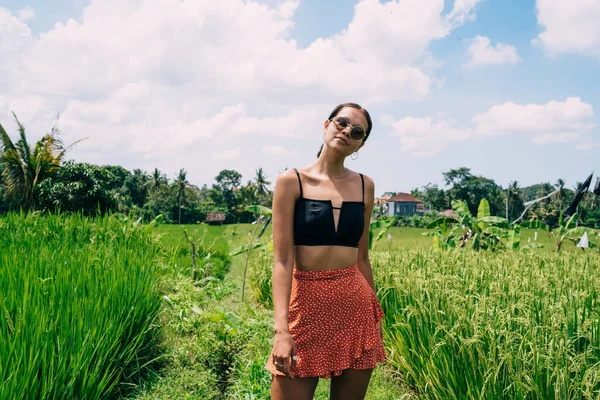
{"type": "Point", "coordinates": [352, 384]}
{"type": "Point", "coordinates": [284, 388]}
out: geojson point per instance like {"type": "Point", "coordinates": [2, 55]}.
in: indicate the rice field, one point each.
{"type": "Point", "coordinates": [492, 326]}
{"type": "Point", "coordinates": [78, 303]}
{"type": "Point", "coordinates": [466, 325]}
{"type": "Point", "coordinates": [105, 308]}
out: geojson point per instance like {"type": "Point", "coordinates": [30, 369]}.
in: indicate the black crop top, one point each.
{"type": "Point", "coordinates": [314, 223]}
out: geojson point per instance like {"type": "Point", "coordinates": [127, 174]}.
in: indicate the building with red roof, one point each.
{"type": "Point", "coordinates": [404, 204]}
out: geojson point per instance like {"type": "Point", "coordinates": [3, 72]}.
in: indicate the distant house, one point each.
{"type": "Point", "coordinates": [215, 217]}
{"type": "Point", "coordinates": [404, 204]}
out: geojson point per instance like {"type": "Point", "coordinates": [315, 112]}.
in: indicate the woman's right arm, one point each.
{"type": "Point", "coordinates": [284, 199]}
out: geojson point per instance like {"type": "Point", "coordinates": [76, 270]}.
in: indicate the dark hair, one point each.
{"type": "Point", "coordinates": [335, 112]}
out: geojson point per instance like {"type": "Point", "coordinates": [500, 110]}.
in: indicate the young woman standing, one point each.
{"type": "Point", "coordinates": [327, 316]}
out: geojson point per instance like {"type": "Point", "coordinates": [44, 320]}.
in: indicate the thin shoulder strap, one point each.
{"type": "Point", "coordinates": [300, 182]}
{"type": "Point", "coordinates": [363, 185]}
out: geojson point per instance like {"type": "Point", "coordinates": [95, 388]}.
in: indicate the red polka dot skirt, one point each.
{"type": "Point", "coordinates": [335, 321]}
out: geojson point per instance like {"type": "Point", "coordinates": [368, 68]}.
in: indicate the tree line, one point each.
{"type": "Point", "coordinates": [509, 202]}
{"type": "Point", "coordinates": [39, 178]}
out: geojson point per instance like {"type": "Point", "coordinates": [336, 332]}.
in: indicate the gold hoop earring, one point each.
{"type": "Point", "coordinates": [354, 155]}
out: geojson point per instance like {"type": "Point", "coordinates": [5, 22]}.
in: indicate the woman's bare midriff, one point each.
{"type": "Point", "coordinates": [320, 258]}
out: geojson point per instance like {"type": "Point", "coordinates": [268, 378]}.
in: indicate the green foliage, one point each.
{"type": "Point", "coordinates": [484, 232]}
{"type": "Point", "coordinates": [24, 167]}
{"type": "Point", "coordinates": [79, 187]}
{"type": "Point", "coordinates": [464, 325]}
{"type": "Point", "coordinates": [433, 197]}
{"type": "Point", "coordinates": [381, 223]}
{"type": "Point", "coordinates": [79, 300]}
{"type": "Point", "coordinates": [471, 189]}
{"type": "Point", "coordinates": [566, 231]}
{"type": "Point", "coordinates": [415, 221]}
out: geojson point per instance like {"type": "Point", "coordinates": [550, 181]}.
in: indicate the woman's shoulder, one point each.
{"type": "Point", "coordinates": [287, 179]}
{"type": "Point", "coordinates": [368, 180]}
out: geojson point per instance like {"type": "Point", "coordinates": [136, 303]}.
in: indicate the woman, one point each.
{"type": "Point", "coordinates": [327, 317]}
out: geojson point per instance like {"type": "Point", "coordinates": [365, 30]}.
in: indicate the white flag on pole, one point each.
{"type": "Point", "coordinates": [583, 243]}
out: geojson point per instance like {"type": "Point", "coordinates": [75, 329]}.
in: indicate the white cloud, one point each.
{"type": "Point", "coordinates": [569, 26]}
{"type": "Point", "coordinates": [463, 10]}
{"type": "Point", "coordinates": [173, 83]}
{"type": "Point", "coordinates": [547, 138]}
{"type": "Point", "coordinates": [561, 120]}
{"type": "Point", "coordinates": [553, 122]}
{"type": "Point", "coordinates": [26, 13]}
{"type": "Point", "coordinates": [482, 53]}
{"type": "Point", "coordinates": [425, 136]}
{"type": "Point", "coordinates": [276, 150]}
{"type": "Point", "coordinates": [587, 145]}
{"type": "Point", "coordinates": [226, 155]}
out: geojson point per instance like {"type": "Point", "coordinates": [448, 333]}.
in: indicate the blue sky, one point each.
{"type": "Point", "coordinates": [508, 88]}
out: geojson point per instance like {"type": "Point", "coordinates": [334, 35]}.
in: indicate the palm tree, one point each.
{"type": "Point", "coordinates": [182, 186]}
{"type": "Point", "coordinates": [513, 197]}
{"type": "Point", "coordinates": [157, 181]}
{"type": "Point", "coordinates": [560, 184]}
{"type": "Point", "coordinates": [23, 167]}
{"type": "Point", "coordinates": [260, 184]}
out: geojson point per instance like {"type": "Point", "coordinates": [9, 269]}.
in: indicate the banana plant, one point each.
{"type": "Point", "coordinates": [383, 224]}
{"type": "Point", "coordinates": [483, 232]}
{"type": "Point", "coordinates": [443, 236]}
{"type": "Point", "coordinates": [565, 231]}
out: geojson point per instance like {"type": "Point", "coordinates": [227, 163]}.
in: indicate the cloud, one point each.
{"type": "Point", "coordinates": [425, 136]}
{"type": "Point", "coordinates": [462, 11]}
{"type": "Point", "coordinates": [276, 150]}
{"type": "Point", "coordinates": [587, 145]}
{"type": "Point", "coordinates": [569, 26]}
{"type": "Point", "coordinates": [226, 155]}
{"type": "Point", "coordinates": [553, 122]}
{"type": "Point", "coordinates": [167, 82]}
{"type": "Point", "coordinates": [482, 53]}
{"type": "Point", "coordinates": [26, 13]}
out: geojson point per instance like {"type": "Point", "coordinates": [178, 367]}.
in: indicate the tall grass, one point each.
{"type": "Point", "coordinates": [78, 300]}
{"type": "Point", "coordinates": [477, 325]}
{"type": "Point", "coordinates": [463, 325]}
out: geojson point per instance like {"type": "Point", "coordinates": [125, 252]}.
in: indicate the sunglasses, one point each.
{"type": "Point", "coordinates": [356, 131]}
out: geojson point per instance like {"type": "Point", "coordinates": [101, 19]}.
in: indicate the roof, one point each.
{"type": "Point", "coordinates": [215, 216]}
{"type": "Point", "coordinates": [404, 198]}
{"type": "Point", "coordinates": [449, 213]}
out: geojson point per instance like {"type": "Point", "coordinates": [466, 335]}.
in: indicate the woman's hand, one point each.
{"type": "Point", "coordinates": [284, 353]}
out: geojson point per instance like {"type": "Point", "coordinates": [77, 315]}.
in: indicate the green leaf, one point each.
{"type": "Point", "coordinates": [499, 221]}
{"type": "Point", "coordinates": [461, 209]}
{"type": "Point", "coordinates": [514, 238]}
{"type": "Point", "coordinates": [484, 209]}
{"type": "Point", "coordinates": [169, 302]}
{"type": "Point", "coordinates": [439, 222]}
{"type": "Point", "coordinates": [495, 231]}
{"type": "Point", "coordinates": [531, 246]}
{"type": "Point", "coordinates": [244, 248]}
{"type": "Point", "coordinates": [571, 221]}
{"type": "Point", "coordinates": [534, 224]}
{"type": "Point", "coordinates": [258, 209]}
{"type": "Point", "coordinates": [476, 239]}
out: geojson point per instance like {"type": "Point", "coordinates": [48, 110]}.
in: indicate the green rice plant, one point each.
{"type": "Point", "coordinates": [261, 275]}
{"type": "Point", "coordinates": [78, 304]}
{"type": "Point", "coordinates": [465, 325]}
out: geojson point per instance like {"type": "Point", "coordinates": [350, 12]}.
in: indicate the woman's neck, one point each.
{"type": "Point", "coordinates": [330, 164]}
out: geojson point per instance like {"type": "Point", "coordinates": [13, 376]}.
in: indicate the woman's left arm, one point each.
{"type": "Point", "coordinates": [364, 264]}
